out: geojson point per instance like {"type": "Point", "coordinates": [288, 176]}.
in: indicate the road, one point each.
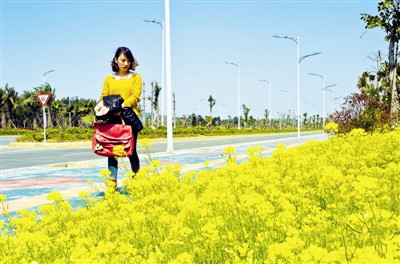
{"type": "Point", "coordinates": [12, 158]}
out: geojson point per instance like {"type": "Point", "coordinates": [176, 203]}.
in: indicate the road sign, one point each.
{"type": "Point", "coordinates": [43, 98]}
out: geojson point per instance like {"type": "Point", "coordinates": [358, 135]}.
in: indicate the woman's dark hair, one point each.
{"type": "Point", "coordinates": [118, 52]}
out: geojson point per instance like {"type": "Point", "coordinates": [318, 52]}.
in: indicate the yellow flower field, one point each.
{"type": "Point", "coordinates": [336, 201]}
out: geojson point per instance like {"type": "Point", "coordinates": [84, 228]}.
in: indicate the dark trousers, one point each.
{"type": "Point", "coordinates": [134, 158]}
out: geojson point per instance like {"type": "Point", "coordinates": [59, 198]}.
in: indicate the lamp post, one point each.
{"type": "Point", "coordinates": [238, 68]}
{"type": "Point", "coordinates": [337, 98]}
{"type": "Point", "coordinates": [161, 24]}
{"type": "Point", "coordinates": [330, 90]}
{"type": "Point", "coordinates": [269, 94]}
{"type": "Point", "coordinates": [170, 148]}
{"type": "Point", "coordinates": [323, 98]}
{"type": "Point", "coordinates": [44, 75]}
{"type": "Point", "coordinates": [299, 59]}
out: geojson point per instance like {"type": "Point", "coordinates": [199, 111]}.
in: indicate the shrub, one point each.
{"type": "Point", "coordinates": [58, 135]}
{"type": "Point", "coordinates": [362, 111]}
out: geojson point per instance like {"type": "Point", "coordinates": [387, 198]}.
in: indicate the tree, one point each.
{"type": "Point", "coordinates": [9, 100]}
{"type": "Point", "coordinates": [59, 109]}
{"type": "Point", "coordinates": [252, 121]}
{"type": "Point", "coordinates": [266, 115]}
{"type": "Point", "coordinates": [31, 103]}
{"type": "Point", "coordinates": [305, 119]}
{"type": "Point", "coordinates": [229, 121]}
{"type": "Point", "coordinates": [183, 120]}
{"type": "Point", "coordinates": [200, 120]}
{"type": "Point", "coordinates": [2, 109]}
{"type": "Point", "coordinates": [246, 111]}
{"type": "Point", "coordinates": [193, 119]}
{"type": "Point", "coordinates": [209, 122]}
{"type": "Point", "coordinates": [154, 103]}
{"type": "Point", "coordinates": [389, 21]}
{"type": "Point", "coordinates": [211, 102]}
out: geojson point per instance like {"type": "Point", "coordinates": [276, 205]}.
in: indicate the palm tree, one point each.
{"type": "Point", "coordinates": [59, 109]}
{"type": "Point", "coordinates": [82, 108]}
{"type": "Point", "coordinates": [2, 109]}
{"type": "Point", "coordinates": [31, 103]}
{"type": "Point", "coordinates": [9, 98]}
{"type": "Point", "coordinates": [211, 102]}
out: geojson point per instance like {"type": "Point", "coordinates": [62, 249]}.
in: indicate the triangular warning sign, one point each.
{"type": "Point", "coordinates": [43, 98]}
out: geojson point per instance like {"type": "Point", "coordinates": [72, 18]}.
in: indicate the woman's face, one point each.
{"type": "Point", "coordinates": [123, 64]}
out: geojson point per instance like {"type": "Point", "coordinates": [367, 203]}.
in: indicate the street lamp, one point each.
{"type": "Point", "coordinates": [161, 24]}
{"type": "Point", "coordinates": [299, 59]}
{"type": "Point", "coordinates": [238, 68]}
{"type": "Point", "coordinates": [330, 90]}
{"type": "Point", "coordinates": [44, 75]}
{"type": "Point", "coordinates": [269, 94]}
{"type": "Point", "coordinates": [337, 98]}
{"type": "Point", "coordinates": [323, 98]}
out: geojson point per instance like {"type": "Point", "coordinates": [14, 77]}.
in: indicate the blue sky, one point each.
{"type": "Point", "coordinates": [78, 39]}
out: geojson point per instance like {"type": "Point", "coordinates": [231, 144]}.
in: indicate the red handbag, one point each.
{"type": "Point", "coordinates": [108, 136]}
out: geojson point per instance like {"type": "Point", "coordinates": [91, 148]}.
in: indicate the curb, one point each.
{"type": "Point", "coordinates": [51, 144]}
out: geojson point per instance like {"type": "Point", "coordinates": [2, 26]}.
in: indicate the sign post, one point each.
{"type": "Point", "coordinates": [43, 99]}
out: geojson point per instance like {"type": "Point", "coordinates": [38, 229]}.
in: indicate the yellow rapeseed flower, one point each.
{"type": "Point", "coordinates": [145, 143]}
{"type": "Point", "coordinates": [331, 128]}
{"type": "Point", "coordinates": [119, 151]}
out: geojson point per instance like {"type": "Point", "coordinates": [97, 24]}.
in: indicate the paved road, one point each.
{"type": "Point", "coordinates": [29, 174]}
{"type": "Point", "coordinates": [12, 158]}
{"type": "Point", "coordinates": [6, 140]}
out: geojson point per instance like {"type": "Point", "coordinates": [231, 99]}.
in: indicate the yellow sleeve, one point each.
{"type": "Point", "coordinates": [106, 89]}
{"type": "Point", "coordinates": [136, 91]}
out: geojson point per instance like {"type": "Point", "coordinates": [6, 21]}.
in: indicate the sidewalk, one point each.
{"type": "Point", "coordinates": [29, 187]}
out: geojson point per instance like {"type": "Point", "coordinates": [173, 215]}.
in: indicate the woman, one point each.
{"type": "Point", "coordinates": [128, 84]}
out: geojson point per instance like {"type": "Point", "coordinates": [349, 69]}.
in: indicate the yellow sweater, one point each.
{"type": "Point", "coordinates": [129, 87]}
